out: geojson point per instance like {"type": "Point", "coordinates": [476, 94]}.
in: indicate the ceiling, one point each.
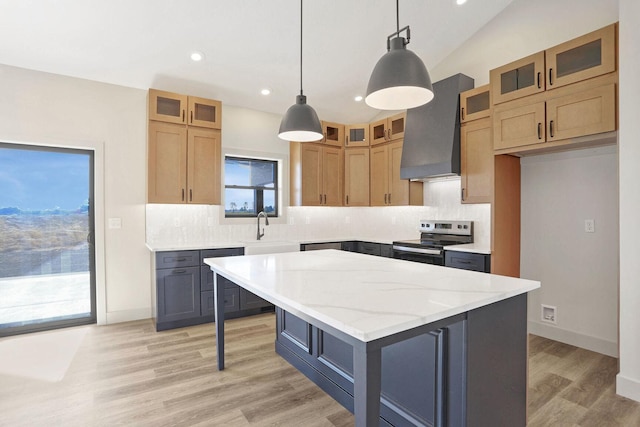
{"type": "Point", "coordinates": [248, 45]}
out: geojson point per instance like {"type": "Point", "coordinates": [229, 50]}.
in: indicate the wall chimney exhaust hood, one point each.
{"type": "Point", "coordinates": [432, 133]}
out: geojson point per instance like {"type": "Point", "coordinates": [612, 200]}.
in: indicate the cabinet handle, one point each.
{"type": "Point", "coordinates": [389, 198]}
{"type": "Point", "coordinates": [389, 134]}
{"type": "Point", "coordinates": [183, 194]}
{"type": "Point", "coordinates": [191, 195]}
{"type": "Point", "coordinates": [321, 199]}
{"type": "Point", "coordinates": [183, 116]}
{"type": "Point", "coordinates": [179, 271]}
{"type": "Point", "coordinates": [462, 194]}
{"type": "Point", "coordinates": [539, 130]}
{"type": "Point", "coordinates": [180, 259]}
{"type": "Point", "coordinates": [325, 199]}
{"type": "Point", "coordinates": [347, 199]}
{"type": "Point", "coordinates": [191, 116]}
{"type": "Point", "coordinates": [539, 87]}
{"type": "Point", "coordinates": [325, 137]}
{"type": "Point", "coordinates": [550, 76]}
{"type": "Point", "coordinates": [462, 113]}
{"type": "Point", "coordinates": [551, 128]}
{"type": "Point", "coordinates": [347, 140]}
{"type": "Point", "coordinates": [385, 198]}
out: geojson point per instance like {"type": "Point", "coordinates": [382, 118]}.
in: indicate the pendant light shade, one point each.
{"type": "Point", "coordinates": [399, 80]}
{"type": "Point", "coordinates": [300, 123]}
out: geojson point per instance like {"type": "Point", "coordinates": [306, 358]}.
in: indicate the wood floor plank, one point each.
{"type": "Point", "coordinates": [546, 389]}
{"type": "Point", "coordinates": [590, 387]}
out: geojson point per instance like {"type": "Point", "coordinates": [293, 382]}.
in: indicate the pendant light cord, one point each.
{"type": "Point", "coordinates": [300, 47]}
{"type": "Point", "coordinates": [397, 15]}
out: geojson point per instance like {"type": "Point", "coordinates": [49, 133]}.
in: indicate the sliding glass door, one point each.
{"type": "Point", "coordinates": [47, 257]}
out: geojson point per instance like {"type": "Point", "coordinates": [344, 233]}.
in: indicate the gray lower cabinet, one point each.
{"type": "Point", "coordinates": [413, 383]}
{"type": "Point", "coordinates": [471, 370]}
{"type": "Point", "coordinates": [468, 261]}
{"type": "Point", "coordinates": [184, 290]}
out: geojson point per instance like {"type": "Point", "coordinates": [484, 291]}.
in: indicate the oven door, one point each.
{"type": "Point", "coordinates": [424, 255]}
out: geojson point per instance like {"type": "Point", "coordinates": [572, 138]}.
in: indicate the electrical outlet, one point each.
{"type": "Point", "coordinates": [589, 226]}
{"type": "Point", "coordinates": [115, 223]}
{"type": "Point", "coordinates": [548, 313]}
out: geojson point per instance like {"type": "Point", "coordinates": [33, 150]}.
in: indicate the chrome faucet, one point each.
{"type": "Point", "coordinates": [266, 222]}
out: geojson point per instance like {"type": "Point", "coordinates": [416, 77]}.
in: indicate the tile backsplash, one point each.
{"type": "Point", "coordinates": [200, 224]}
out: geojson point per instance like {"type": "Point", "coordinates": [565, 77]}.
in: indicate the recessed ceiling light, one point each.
{"type": "Point", "coordinates": [358, 98]}
{"type": "Point", "coordinates": [461, 2]}
{"type": "Point", "coordinates": [197, 56]}
{"type": "Point", "coordinates": [265, 91]}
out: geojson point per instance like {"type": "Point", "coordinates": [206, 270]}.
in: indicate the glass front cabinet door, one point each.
{"type": "Point", "coordinates": [357, 135]}
{"type": "Point", "coordinates": [167, 107]}
{"type": "Point", "coordinates": [582, 58]}
{"type": "Point", "coordinates": [475, 104]}
{"type": "Point", "coordinates": [520, 78]}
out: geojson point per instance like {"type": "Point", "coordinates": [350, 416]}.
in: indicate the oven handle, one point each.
{"type": "Point", "coordinates": [417, 250]}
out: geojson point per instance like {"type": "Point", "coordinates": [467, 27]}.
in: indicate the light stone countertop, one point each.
{"type": "Point", "coordinates": [362, 296]}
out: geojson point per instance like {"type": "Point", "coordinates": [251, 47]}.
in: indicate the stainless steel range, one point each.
{"type": "Point", "coordinates": [434, 235]}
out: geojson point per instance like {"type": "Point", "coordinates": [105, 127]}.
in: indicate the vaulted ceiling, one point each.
{"type": "Point", "coordinates": [248, 45]}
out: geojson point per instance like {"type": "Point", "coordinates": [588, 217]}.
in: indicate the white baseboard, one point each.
{"type": "Point", "coordinates": [128, 315]}
{"type": "Point", "coordinates": [628, 387]}
{"type": "Point", "coordinates": [587, 342]}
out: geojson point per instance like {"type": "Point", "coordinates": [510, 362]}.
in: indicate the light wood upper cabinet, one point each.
{"type": "Point", "coordinates": [475, 104]}
{"type": "Point", "coordinates": [581, 109]}
{"type": "Point", "coordinates": [388, 129]}
{"type": "Point", "coordinates": [357, 135]}
{"type": "Point", "coordinates": [333, 133]}
{"type": "Point", "coordinates": [205, 113]}
{"type": "Point", "coordinates": [356, 177]}
{"type": "Point", "coordinates": [476, 161]}
{"type": "Point", "coordinates": [515, 126]}
{"type": "Point", "coordinates": [386, 187]}
{"type": "Point", "coordinates": [183, 164]}
{"type": "Point", "coordinates": [167, 181]}
{"type": "Point", "coordinates": [203, 173]}
{"type": "Point", "coordinates": [167, 107]}
{"type": "Point", "coordinates": [583, 113]}
{"type": "Point", "coordinates": [175, 108]}
{"type": "Point", "coordinates": [316, 175]}
{"type": "Point", "coordinates": [184, 149]}
{"type": "Point", "coordinates": [520, 78]}
{"type": "Point", "coordinates": [582, 58]}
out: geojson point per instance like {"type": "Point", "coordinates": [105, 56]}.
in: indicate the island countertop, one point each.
{"type": "Point", "coordinates": [363, 296]}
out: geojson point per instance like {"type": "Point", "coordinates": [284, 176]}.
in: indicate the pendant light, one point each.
{"type": "Point", "coordinates": [399, 80]}
{"type": "Point", "coordinates": [300, 122]}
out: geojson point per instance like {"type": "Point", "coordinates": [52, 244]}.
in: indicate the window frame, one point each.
{"type": "Point", "coordinates": [258, 190]}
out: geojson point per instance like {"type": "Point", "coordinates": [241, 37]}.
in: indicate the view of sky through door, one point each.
{"type": "Point", "coordinates": [46, 223]}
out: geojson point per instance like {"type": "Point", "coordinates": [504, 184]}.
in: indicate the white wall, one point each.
{"type": "Point", "coordinates": [628, 381]}
{"type": "Point", "coordinates": [578, 270]}
{"type": "Point", "coordinates": [48, 109]}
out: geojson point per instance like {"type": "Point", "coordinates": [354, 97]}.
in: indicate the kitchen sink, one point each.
{"type": "Point", "coordinates": [258, 247]}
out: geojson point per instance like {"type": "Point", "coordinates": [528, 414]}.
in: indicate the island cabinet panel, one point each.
{"type": "Point", "coordinates": [419, 374]}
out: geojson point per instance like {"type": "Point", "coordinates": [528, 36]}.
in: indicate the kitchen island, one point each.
{"type": "Point", "coordinates": [344, 319]}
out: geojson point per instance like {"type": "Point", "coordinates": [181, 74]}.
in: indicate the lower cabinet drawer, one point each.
{"type": "Point", "coordinates": [231, 301]}
{"type": "Point", "coordinates": [467, 261]}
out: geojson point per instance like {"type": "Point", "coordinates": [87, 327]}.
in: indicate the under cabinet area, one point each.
{"type": "Point", "coordinates": [184, 286]}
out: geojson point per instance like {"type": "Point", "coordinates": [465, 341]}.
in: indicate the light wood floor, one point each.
{"type": "Point", "coordinates": [128, 374]}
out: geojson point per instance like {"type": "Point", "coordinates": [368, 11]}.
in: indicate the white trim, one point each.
{"type": "Point", "coordinates": [587, 342]}
{"type": "Point", "coordinates": [128, 315]}
{"type": "Point", "coordinates": [99, 211]}
{"type": "Point", "coordinates": [283, 184]}
{"type": "Point", "coordinates": [628, 387]}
